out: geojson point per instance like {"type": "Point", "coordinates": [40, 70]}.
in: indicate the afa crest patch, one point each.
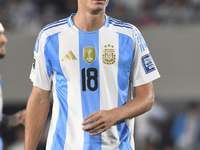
{"type": "Point", "coordinates": [148, 63]}
{"type": "Point", "coordinates": [108, 56]}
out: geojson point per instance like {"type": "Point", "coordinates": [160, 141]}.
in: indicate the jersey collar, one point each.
{"type": "Point", "coordinates": [71, 23]}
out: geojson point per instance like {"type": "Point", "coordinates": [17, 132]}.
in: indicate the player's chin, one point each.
{"type": "Point", "coordinates": [2, 55]}
{"type": "Point", "coordinates": [100, 4]}
{"type": "Point", "coordinates": [98, 9]}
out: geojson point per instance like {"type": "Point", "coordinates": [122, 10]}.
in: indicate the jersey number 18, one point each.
{"type": "Point", "coordinates": [89, 79]}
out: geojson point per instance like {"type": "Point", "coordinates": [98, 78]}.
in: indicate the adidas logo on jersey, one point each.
{"type": "Point", "coordinates": [69, 56]}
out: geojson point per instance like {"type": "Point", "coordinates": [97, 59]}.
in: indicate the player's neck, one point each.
{"type": "Point", "coordinates": [89, 22]}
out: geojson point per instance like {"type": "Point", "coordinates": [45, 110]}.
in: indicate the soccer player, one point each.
{"type": "Point", "coordinates": [7, 121]}
{"type": "Point", "coordinates": [91, 62]}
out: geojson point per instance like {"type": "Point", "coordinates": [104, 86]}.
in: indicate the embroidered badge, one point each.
{"type": "Point", "coordinates": [148, 63]}
{"type": "Point", "coordinates": [89, 54]}
{"type": "Point", "coordinates": [108, 56]}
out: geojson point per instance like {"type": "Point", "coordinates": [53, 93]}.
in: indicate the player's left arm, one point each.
{"type": "Point", "coordinates": [104, 119]}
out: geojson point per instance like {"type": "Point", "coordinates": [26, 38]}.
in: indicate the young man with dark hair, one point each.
{"type": "Point", "coordinates": [91, 62]}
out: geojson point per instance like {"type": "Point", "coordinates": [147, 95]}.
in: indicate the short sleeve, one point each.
{"type": "Point", "coordinates": [143, 68]}
{"type": "Point", "coordinates": [41, 66]}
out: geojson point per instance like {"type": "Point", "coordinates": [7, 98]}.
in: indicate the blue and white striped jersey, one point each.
{"type": "Point", "coordinates": [90, 71]}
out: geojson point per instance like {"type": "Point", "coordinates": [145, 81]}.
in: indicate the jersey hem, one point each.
{"type": "Point", "coordinates": [41, 86]}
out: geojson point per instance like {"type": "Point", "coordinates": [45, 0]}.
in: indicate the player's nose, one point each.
{"type": "Point", "coordinates": [3, 39]}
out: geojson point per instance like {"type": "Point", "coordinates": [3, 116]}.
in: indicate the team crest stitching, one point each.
{"type": "Point", "coordinates": [89, 54]}
{"type": "Point", "coordinates": [108, 56]}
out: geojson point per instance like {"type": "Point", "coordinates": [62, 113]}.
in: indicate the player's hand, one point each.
{"type": "Point", "coordinates": [100, 121]}
{"type": "Point", "coordinates": [20, 116]}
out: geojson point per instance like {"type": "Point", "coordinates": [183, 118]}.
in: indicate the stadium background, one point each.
{"type": "Point", "coordinates": [170, 28]}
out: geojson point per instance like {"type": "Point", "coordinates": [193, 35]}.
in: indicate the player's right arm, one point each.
{"type": "Point", "coordinates": [36, 114]}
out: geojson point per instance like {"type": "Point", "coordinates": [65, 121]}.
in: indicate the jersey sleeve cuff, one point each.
{"type": "Point", "coordinates": [145, 81]}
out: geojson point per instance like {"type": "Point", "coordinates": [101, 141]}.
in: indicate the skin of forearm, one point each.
{"type": "Point", "coordinates": [142, 103]}
{"type": "Point", "coordinates": [37, 111]}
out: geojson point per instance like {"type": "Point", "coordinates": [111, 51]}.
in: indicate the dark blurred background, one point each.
{"type": "Point", "coordinates": [171, 29]}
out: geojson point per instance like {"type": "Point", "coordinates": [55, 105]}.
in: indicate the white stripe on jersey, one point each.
{"type": "Point", "coordinates": [109, 99]}
{"type": "Point", "coordinates": [71, 71]}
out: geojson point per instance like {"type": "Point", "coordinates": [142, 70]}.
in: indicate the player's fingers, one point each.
{"type": "Point", "coordinates": [92, 126]}
{"type": "Point", "coordinates": [91, 115]}
{"type": "Point", "coordinates": [92, 119]}
{"type": "Point", "coordinates": [98, 132]}
{"type": "Point", "coordinates": [95, 127]}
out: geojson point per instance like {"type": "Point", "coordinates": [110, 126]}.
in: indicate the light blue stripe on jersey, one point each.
{"type": "Point", "coordinates": [107, 20]}
{"type": "Point", "coordinates": [90, 99]}
{"type": "Point", "coordinates": [52, 51]}
{"type": "Point", "coordinates": [69, 20]}
{"type": "Point", "coordinates": [52, 25]}
{"type": "Point", "coordinates": [124, 66]}
{"type": "Point", "coordinates": [120, 23]}
{"type": "Point", "coordinates": [140, 39]}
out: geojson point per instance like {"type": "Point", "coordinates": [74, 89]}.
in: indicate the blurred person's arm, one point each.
{"type": "Point", "coordinates": [14, 119]}
{"type": "Point", "coordinates": [36, 115]}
